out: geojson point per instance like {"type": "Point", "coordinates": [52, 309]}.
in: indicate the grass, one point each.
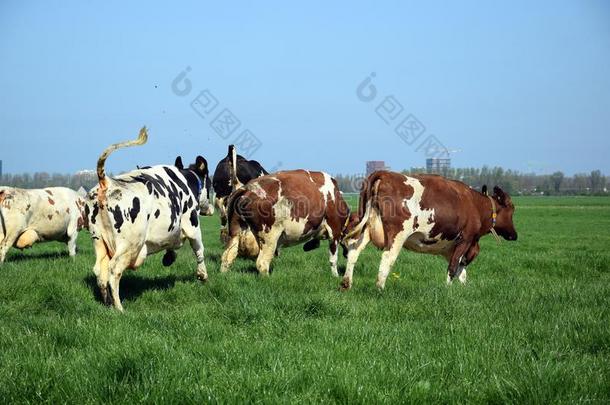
{"type": "Point", "coordinates": [532, 325]}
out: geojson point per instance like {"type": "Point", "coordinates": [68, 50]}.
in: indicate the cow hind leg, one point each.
{"type": "Point", "coordinates": [117, 266]}
{"type": "Point", "coordinates": [230, 253]}
{"type": "Point", "coordinates": [388, 258]}
{"type": "Point", "coordinates": [72, 237]}
{"type": "Point", "coordinates": [353, 252]}
{"type": "Point", "coordinates": [6, 244]}
{"type": "Point", "coordinates": [267, 251]}
{"type": "Point", "coordinates": [100, 269]}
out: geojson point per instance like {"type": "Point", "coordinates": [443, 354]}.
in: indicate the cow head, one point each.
{"type": "Point", "coordinates": [200, 168]}
{"type": "Point", "coordinates": [505, 209]}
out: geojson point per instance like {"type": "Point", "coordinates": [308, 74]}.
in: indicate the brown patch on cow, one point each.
{"type": "Point", "coordinates": [101, 192]}
{"type": "Point", "coordinates": [446, 197]}
{"type": "Point", "coordinates": [260, 210]}
{"type": "Point", "coordinates": [415, 224]}
{"type": "Point", "coordinates": [337, 213]}
{"type": "Point", "coordinates": [50, 216]}
{"type": "Point", "coordinates": [49, 192]}
{"type": "Point", "coordinates": [82, 222]}
{"type": "Point", "coordinates": [305, 197]}
{"type": "Point", "coordinates": [83, 218]}
{"type": "Point", "coordinates": [389, 202]}
{"type": "Point", "coordinates": [246, 209]}
{"type": "Point", "coordinates": [51, 201]}
{"type": "Point", "coordinates": [68, 210]}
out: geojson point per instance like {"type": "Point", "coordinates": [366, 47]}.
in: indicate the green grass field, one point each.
{"type": "Point", "coordinates": [532, 324]}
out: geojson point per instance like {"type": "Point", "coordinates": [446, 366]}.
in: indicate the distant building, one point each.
{"type": "Point", "coordinates": [437, 165]}
{"type": "Point", "coordinates": [374, 165]}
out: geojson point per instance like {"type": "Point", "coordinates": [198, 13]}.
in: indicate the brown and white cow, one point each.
{"type": "Point", "coordinates": [39, 215]}
{"type": "Point", "coordinates": [426, 214]}
{"type": "Point", "coordinates": [286, 208]}
{"type": "Point", "coordinates": [232, 173]}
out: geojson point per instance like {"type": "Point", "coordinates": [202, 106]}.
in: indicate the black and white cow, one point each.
{"type": "Point", "coordinates": [143, 212]}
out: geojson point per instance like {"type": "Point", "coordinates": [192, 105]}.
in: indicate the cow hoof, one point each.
{"type": "Point", "coordinates": [202, 277]}
{"type": "Point", "coordinates": [345, 285]}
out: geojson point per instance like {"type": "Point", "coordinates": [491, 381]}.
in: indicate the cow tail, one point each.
{"type": "Point", "coordinates": [101, 171]}
{"type": "Point", "coordinates": [233, 206]}
{"type": "Point", "coordinates": [141, 140]}
{"type": "Point", "coordinates": [233, 167]}
{"type": "Point", "coordinates": [2, 224]}
{"type": "Point", "coordinates": [367, 201]}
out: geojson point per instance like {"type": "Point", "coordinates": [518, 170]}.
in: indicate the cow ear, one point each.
{"type": "Point", "coordinates": [178, 162]}
{"type": "Point", "coordinates": [484, 189]}
{"type": "Point", "coordinates": [201, 164]}
{"type": "Point", "coordinates": [500, 195]}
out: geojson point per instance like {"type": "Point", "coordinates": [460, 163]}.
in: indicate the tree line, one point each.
{"type": "Point", "coordinates": [514, 182]}
{"type": "Point", "coordinates": [75, 181]}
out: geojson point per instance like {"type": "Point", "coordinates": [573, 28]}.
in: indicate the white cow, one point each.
{"type": "Point", "coordinates": [39, 215]}
{"type": "Point", "coordinates": [143, 212]}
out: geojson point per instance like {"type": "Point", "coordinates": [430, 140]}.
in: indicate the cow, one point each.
{"type": "Point", "coordinates": [143, 212]}
{"type": "Point", "coordinates": [231, 173]}
{"type": "Point", "coordinates": [40, 215]}
{"type": "Point", "coordinates": [283, 209]}
{"type": "Point", "coordinates": [427, 214]}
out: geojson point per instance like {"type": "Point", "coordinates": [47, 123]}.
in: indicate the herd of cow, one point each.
{"type": "Point", "coordinates": [153, 209]}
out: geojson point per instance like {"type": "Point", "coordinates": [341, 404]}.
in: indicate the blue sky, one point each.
{"type": "Point", "coordinates": [524, 85]}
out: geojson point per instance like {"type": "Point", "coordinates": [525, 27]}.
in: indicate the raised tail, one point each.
{"type": "Point", "coordinates": [233, 206]}
{"type": "Point", "coordinates": [233, 167]}
{"type": "Point", "coordinates": [101, 172]}
{"type": "Point", "coordinates": [366, 202]}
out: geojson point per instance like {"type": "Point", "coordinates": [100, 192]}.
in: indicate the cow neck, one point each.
{"type": "Point", "coordinates": [196, 185]}
{"type": "Point", "coordinates": [494, 216]}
